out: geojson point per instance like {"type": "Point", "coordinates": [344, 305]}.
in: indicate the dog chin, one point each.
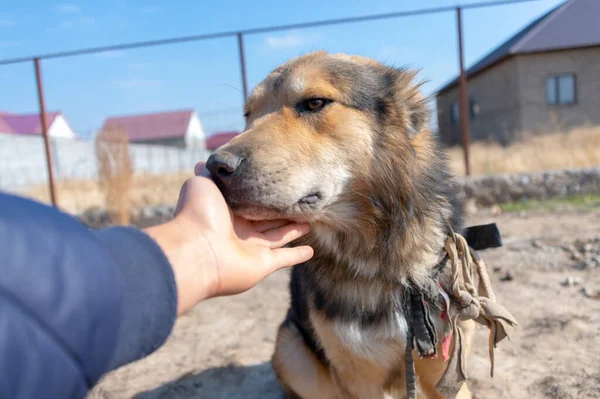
{"type": "Point", "coordinates": [259, 213]}
{"type": "Point", "coordinates": [256, 213]}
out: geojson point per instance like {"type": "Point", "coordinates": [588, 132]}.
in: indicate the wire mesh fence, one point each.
{"type": "Point", "coordinates": [208, 74]}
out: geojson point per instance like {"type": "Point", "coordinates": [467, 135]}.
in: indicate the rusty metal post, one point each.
{"type": "Point", "coordinates": [40, 90]}
{"type": "Point", "coordinates": [243, 64]}
{"type": "Point", "coordinates": [464, 105]}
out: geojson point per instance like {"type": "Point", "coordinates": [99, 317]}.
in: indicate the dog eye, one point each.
{"type": "Point", "coordinates": [312, 104]}
{"type": "Point", "coordinates": [246, 114]}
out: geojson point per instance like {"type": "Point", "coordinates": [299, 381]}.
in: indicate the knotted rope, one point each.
{"type": "Point", "coordinates": [467, 302]}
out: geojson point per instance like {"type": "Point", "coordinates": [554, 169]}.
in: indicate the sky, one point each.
{"type": "Point", "coordinates": [205, 75]}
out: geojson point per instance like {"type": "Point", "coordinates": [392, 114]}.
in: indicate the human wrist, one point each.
{"type": "Point", "coordinates": [192, 259]}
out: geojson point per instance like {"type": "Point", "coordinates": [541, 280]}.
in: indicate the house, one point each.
{"type": "Point", "coordinates": [175, 128]}
{"type": "Point", "coordinates": [31, 125]}
{"type": "Point", "coordinates": [218, 139]}
{"type": "Point", "coordinates": [547, 72]}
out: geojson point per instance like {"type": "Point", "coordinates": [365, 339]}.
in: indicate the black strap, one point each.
{"type": "Point", "coordinates": [409, 364]}
{"type": "Point", "coordinates": [483, 236]}
{"type": "Point", "coordinates": [423, 328]}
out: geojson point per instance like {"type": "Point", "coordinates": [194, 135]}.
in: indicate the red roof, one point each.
{"type": "Point", "coordinates": [4, 128]}
{"type": "Point", "coordinates": [218, 139]}
{"type": "Point", "coordinates": [152, 126]}
{"type": "Point", "coordinates": [24, 124]}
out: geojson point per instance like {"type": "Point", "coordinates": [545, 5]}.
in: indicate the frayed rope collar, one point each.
{"type": "Point", "coordinates": [460, 300]}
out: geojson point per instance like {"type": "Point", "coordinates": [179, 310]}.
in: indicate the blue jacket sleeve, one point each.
{"type": "Point", "coordinates": [74, 303]}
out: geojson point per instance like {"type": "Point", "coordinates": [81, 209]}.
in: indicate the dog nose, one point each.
{"type": "Point", "coordinates": [223, 164]}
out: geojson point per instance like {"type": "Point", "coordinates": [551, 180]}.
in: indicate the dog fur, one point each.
{"type": "Point", "coordinates": [343, 142]}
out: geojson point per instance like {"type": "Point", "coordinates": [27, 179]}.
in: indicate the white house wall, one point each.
{"type": "Point", "coordinates": [61, 129]}
{"type": "Point", "coordinates": [195, 136]}
{"type": "Point", "coordinates": [23, 160]}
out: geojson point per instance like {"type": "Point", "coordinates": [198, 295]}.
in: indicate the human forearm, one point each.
{"type": "Point", "coordinates": [149, 305]}
{"type": "Point", "coordinates": [191, 257]}
{"type": "Point", "coordinates": [60, 303]}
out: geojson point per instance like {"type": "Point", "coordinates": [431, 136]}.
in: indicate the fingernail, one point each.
{"type": "Point", "coordinates": [200, 169]}
{"type": "Point", "coordinates": [310, 252]}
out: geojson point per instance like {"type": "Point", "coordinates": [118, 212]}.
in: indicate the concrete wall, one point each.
{"type": "Point", "coordinates": [496, 93]}
{"type": "Point", "coordinates": [23, 160]}
{"type": "Point", "coordinates": [480, 190]}
{"type": "Point", "coordinates": [519, 187]}
{"type": "Point", "coordinates": [534, 69]}
{"type": "Point", "coordinates": [512, 97]}
{"type": "Point", "coordinates": [178, 142]}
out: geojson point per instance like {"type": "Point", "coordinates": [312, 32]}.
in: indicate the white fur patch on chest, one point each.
{"type": "Point", "coordinates": [380, 342]}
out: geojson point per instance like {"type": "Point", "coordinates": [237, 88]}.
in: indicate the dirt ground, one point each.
{"type": "Point", "coordinates": [221, 349]}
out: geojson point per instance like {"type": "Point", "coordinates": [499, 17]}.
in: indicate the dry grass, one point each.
{"type": "Point", "coordinates": [579, 148]}
{"type": "Point", "coordinates": [76, 196]}
{"type": "Point", "coordinates": [115, 173]}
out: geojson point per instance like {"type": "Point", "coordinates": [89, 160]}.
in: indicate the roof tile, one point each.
{"type": "Point", "coordinates": [219, 139]}
{"type": "Point", "coordinates": [24, 124]}
{"type": "Point", "coordinates": [151, 126]}
{"type": "Point", "coordinates": [573, 24]}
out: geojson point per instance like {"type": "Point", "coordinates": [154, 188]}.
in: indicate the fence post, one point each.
{"type": "Point", "coordinates": [243, 65]}
{"type": "Point", "coordinates": [463, 107]}
{"type": "Point", "coordinates": [40, 90]}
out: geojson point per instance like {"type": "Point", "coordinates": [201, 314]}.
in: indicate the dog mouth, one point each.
{"type": "Point", "coordinates": [301, 210]}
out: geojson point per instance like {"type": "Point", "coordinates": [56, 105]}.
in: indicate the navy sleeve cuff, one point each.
{"type": "Point", "coordinates": [150, 294]}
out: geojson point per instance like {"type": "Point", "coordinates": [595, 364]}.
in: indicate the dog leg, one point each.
{"type": "Point", "coordinates": [300, 373]}
{"type": "Point", "coordinates": [429, 371]}
{"type": "Point", "coordinates": [359, 381]}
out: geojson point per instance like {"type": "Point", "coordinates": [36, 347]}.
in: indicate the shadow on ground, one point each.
{"type": "Point", "coordinates": [232, 382]}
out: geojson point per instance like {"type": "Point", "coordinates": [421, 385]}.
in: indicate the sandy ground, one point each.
{"type": "Point", "coordinates": [221, 349]}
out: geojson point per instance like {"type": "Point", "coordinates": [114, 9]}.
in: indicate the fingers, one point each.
{"type": "Point", "coordinates": [262, 226]}
{"type": "Point", "coordinates": [278, 237]}
{"type": "Point", "coordinates": [200, 170]}
{"type": "Point", "coordinates": [288, 257]}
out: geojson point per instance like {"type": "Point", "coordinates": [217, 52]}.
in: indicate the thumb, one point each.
{"type": "Point", "coordinates": [200, 170]}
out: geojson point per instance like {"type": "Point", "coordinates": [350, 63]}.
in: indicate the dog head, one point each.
{"type": "Point", "coordinates": [318, 129]}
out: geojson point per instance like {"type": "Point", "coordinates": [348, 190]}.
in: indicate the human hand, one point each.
{"type": "Point", "coordinates": [214, 252]}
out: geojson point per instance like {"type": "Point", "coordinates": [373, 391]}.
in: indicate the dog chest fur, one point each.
{"type": "Point", "coordinates": [382, 343]}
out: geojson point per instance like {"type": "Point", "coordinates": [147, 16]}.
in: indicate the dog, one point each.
{"type": "Point", "coordinates": [344, 142]}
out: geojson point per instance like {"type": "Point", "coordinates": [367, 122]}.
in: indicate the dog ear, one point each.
{"type": "Point", "coordinates": [411, 101]}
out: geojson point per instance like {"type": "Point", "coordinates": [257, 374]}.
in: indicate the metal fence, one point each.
{"type": "Point", "coordinates": [224, 119]}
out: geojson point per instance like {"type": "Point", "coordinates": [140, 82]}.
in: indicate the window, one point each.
{"type": "Point", "coordinates": [455, 111]}
{"type": "Point", "coordinates": [560, 89]}
{"type": "Point", "coordinates": [473, 108]}
{"type": "Point", "coordinates": [454, 115]}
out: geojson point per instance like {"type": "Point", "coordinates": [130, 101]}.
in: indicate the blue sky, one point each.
{"type": "Point", "coordinates": [205, 75]}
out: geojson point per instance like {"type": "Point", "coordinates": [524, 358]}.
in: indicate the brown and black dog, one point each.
{"type": "Point", "coordinates": [343, 142]}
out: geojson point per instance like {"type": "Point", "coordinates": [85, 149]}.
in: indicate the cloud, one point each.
{"type": "Point", "coordinates": [151, 9]}
{"type": "Point", "coordinates": [111, 54]}
{"type": "Point", "coordinates": [290, 41]}
{"type": "Point", "coordinates": [136, 67]}
{"type": "Point", "coordinates": [6, 21]}
{"type": "Point", "coordinates": [68, 8]}
{"type": "Point", "coordinates": [387, 52]}
{"type": "Point", "coordinates": [66, 24]}
{"type": "Point", "coordinates": [73, 16]}
{"type": "Point", "coordinates": [8, 43]}
{"type": "Point", "coordinates": [136, 83]}
{"type": "Point", "coordinates": [278, 42]}
{"type": "Point", "coordinates": [82, 20]}
{"type": "Point", "coordinates": [86, 20]}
